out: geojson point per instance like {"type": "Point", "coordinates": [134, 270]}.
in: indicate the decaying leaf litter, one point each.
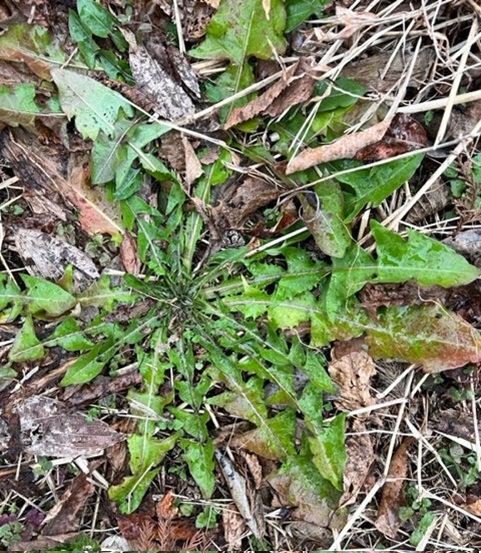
{"type": "Point", "coordinates": [239, 298]}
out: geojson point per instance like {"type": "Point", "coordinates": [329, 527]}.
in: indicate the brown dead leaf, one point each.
{"type": "Point", "coordinates": [242, 496]}
{"type": "Point", "coordinates": [193, 167]}
{"type": "Point", "coordinates": [238, 203]}
{"type": "Point", "coordinates": [472, 505]}
{"type": "Point", "coordinates": [48, 257]}
{"type": "Point", "coordinates": [43, 543]}
{"type": "Point", "coordinates": [380, 72]}
{"type": "Point", "coordinates": [293, 492]}
{"type": "Point", "coordinates": [129, 254]}
{"type": "Point", "coordinates": [392, 498]}
{"type": "Point", "coordinates": [353, 21]}
{"type": "Point", "coordinates": [405, 134]}
{"type": "Point", "coordinates": [360, 456]}
{"type": "Point", "coordinates": [63, 517]}
{"type": "Point", "coordinates": [44, 179]}
{"type": "Point", "coordinates": [293, 88]}
{"type": "Point", "coordinates": [344, 147]}
{"type": "Point", "coordinates": [171, 101]}
{"type": "Point", "coordinates": [307, 531]}
{"type": "Point", "coordinates": [46, 429]}
{"type": "Point", "coordinates": [234, 527]}
{"type": "Point", "coordinates": [352, 374]}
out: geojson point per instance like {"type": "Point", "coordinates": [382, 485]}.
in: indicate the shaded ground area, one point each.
{"type": "Point", "coordinates": [239, 298]}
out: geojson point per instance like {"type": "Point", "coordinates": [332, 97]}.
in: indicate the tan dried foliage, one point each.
{"type": "Point", "coordinates": [345, 147]}
{"type": "Point", "coordinates": [360, 456]}
{"type": "Point", "coordinates": [234, 527]}
{"type": "Point", "coordinates": [295, 87]}
{"type": "Point", "coordinates": [387, 521]}
{"type": "Point", "coordinates": [352, 374]}
{"type": "Point", "coordinates": [129, 254]}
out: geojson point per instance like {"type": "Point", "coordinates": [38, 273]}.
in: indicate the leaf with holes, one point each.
{"type": "Point", "coordinates": [95, 107]}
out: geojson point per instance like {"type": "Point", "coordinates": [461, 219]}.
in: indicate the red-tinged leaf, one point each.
{"type": "Point", "coordinates": [426, 335]}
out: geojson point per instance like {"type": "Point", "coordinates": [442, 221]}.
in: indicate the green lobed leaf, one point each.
{"type": "Point", "coordinates": [17, 105]}
{"type": "Point", "coordinates": [47, 299]}
{"type": "Point", "coordinates": [26, 346]}
{"type": "Point", "coordinates": [349, 275]}
{"type": "Point", "coordinates": [11, 299]}
{"type": "Point", "coordinates": [420, 258]}
{"type": "Point", "coordinates": [299, 11]}
{"type": "Point", "coordinates": [129, 494]}
{"type": "Point", "coordinates": [147, 452]}
{"type": "Point", "coordinates": [69, 336]}
{"type": "Point", "coordinates": [241, 29]}
{"type": "Point", "coordinates": [32, 45]}
{"type": "Point", "coordinates": [200, 460]}
{"type": "Point", "coordinates": [96, 18]}
{"type": "Point", "coordinates": [89, 365]}
{"type": "Point", "coordinates": [95, 107]}
{"type": "Point", "coordinates": [83, 38]}
{"type": "Point", "coordinates": [427, 335]}
{"type": "Point", "coordinates": [328, 450]}
{"type": "Point", "coordinates": [374, 185]}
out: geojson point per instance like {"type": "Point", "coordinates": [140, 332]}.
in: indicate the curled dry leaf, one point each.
{"type": "Point", "coordinates": [129, 254]}
{"type": "Point", "coordinates": [239, 493]}
{"type": "Point", "coordinates": [405, 134]}
{"type": "Point", "coordinates": [243, 201]}
{"type": "Point", "coordinates": [193, 167]}
{"type": "Point", "coordinates": [360, 456]}
{"type": "Point", "coordinates": [392, 498]}
{"type": "Point", "coordinates": [345, 147]}
{"type": "Point", "coordinates": [352, 374]}
{"type": "Point", "coordinates": [294, 87]}
{"type": "Point", "coordinates": [353, 21]}
{"type": "Point", "coordinates": [234, 527]}
{"type": "Point", "coordinates": [63, 517]}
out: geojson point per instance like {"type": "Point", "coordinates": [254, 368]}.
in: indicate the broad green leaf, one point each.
{"type": "Point", "coordinates": [194, 424]}
{"type": "Point", "coordinates": [326, 226]}
{"type": "Point", "coordinates": [232, 80]}
{"type": "Point", "coordinates": [17, 105]}
{"type": "Point", "coordinates": [420, 258]}
{"type": "Point", "coordinates": [299, 11]}
{"type": "Point", "coordinates": [102, 294]}
{"type": "Point", "coordinates": [68, 335]}
{"type": "Point", "coordinates": [349, 275]}
{"type": "Point", "coordinates": [374, 185]}
{"type": "Point", "coordinates": [32, 45]}
{"type": "Point", "coordinates": [129, 494]}
{"type": "Point", "coordinates": [288, 314]}
{"type": "Point", "coordinates": [427, 335]}
{"type": "Point", "coordinates": [329, 454]}
{"type": "Point", "coordinates": [11, 299]}
{"type": "Point", "coordinates": [46, 299]}
{"type": "Point", "coordinates": [83, 37]}
{"type": "Point", "coordinates": [147, 452]}
{"type": "Point", "coordinates": [94, 106]}
{"type": "Point", "coordinates": [89, 365]}
{"type": "Point", "coordinates": [241, 29]}
{"type": "Point", "coordinates": [26, 346]}
{"type": "Point", "coordinates": [106, 151]}
{"type": "Point", "coordinates": [302, 274]}
{"type": "Point", "coordinates": [200, 459]}
{"type": "Point", "coordinates": [96, 18]}
{"type": "Point", "coordinates": [344, 93]}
